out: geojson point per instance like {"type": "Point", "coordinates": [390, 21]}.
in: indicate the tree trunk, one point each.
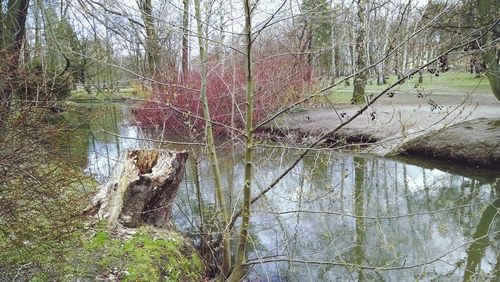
{"type": "Point", "coordinates": [381, 67]}
{"type": "Point", "coordinates": [238, 271]}
{"type": "Point", "coordinates": [38, 30]}
{"type": "Point", "coordinates": [493, 72]}
{"type": "Point", "coordinates": [404, 59]}
{"type": "Point", "coordinates": [141, 189]}
{"type": "Point", "coordinates": [214, 161]}
{"type": "Point", "coordinates": [359, 211]}
{"type": "Point", "coordinates": [185, 42]}
{"type": "Point", "coordinates": [477, 250]}
{"type": "Point", "coordinates": [333, 65]}
{"type": "Point", "coordinates": [12, 30]}
{"type": "Point", "coordinates": [309, 56]}
{"type": "Point", "coordinates": [487, 12]}
{"type": "Point", "coordinates": [358, 95]}
{"type": "Point", "coordinates": [152, 45]}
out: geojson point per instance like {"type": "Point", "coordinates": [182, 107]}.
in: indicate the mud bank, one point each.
{"type": "Point", "coordinates": [474, 142]}
{"type": "Point", "coordinates": [465, 132]}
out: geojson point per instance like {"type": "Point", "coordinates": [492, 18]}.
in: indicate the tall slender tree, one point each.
{"type": "Point", "coordinates": [238, 270]}
{"type": "Point", "coordinates": [211, 147]}
{"type": "Point", "coordinates": [358, 95]}
{"type": "Point", "coordinates": [185, 41]}
{"type": "Point", "coordinates": [12, 32]}
{"type": "Point", "coordinates": [152, 44]}
{"type": "Point", "coordinates": [318, 23]}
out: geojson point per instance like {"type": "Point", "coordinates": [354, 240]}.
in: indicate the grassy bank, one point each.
{"type": "Point", "coordinates": [123, 94]}
{"type": "Point", "coordinates": [45, 235]}
{"type": "Point", "coordinates": [449, 83]}
{"type": "Point", "coordinates": [147, 255]}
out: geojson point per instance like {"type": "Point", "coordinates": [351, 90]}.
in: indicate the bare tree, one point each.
{"type": "Point", "coordinates": [238, 270]}
{"type": "Point", "coordinates": [358, 95]}
{"type": "Point", "coordinates": [153, 47]}
{"type": "Point", "coordinates": [12, 31]}
{"type": "Point", "coordinates": [185, 41]}
{"type": "Point", "coordinates": [209, 135]}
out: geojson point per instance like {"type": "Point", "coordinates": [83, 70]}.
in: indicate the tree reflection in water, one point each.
{"type": "Point", "coordinates": [342, 217]}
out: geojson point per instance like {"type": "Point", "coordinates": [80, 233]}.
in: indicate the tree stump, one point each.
{"type": "Point", "coordinates": [141, 189]}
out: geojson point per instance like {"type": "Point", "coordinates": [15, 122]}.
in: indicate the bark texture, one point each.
{"type": "Point", "coordinates": [153, 47]}
{"type": "Point", "coordinates": [142, 189]}
{"type": "Point", "coordinates": [12, 33]}
{"type": "Point", "coordinates": [211, 147]}
{"type": "Point", "coordinates": [238, 271]}
{"type": "Point", "coordinates": [358, 95]}
{"type": "Point", "coordinates": [185, 42]}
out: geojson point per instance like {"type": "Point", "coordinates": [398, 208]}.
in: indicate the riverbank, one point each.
{"type": "Point", "coordinates": [319, 198]}
{"type": "Point", "coordinates": [403, 124]}
{"type": "Point", "coordinates": [474, 142]}
{"type": "Point", "coordinates": [400, 123]}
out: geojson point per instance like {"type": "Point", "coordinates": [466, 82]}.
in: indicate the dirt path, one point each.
{"type": "Point", "coordinates": [392, 121]}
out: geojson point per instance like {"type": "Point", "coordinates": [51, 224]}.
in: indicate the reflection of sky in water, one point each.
{"type": "Point", "coordinates": [103, 154]}
{"type": "Point", "coordinates": [390, 241]}
{"type": "Point", "coordinates": [325, 182]}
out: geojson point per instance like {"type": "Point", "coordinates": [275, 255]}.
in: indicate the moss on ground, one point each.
{"type": "Point", "coordinates": [44, 232]}
{"type": "Point", "coordinates": [145, 256]}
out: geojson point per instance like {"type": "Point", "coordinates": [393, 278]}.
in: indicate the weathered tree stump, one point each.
{"type": "Point", "coordinates": [141, 189]}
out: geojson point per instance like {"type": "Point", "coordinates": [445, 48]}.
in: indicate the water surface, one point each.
{"type": "Point", "coordinates": [335, 216]}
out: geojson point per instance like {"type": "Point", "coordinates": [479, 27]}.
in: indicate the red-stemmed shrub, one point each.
{"type": "Point", "coordinates": [178, 108]}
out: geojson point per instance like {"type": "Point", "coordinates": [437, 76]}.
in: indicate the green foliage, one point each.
{"type": "Point", "coordinates": [145, 256]}
{"type": "Point", "coordinates": [53, 70]}
{"type": "Point", "coordinates": [62, 43]}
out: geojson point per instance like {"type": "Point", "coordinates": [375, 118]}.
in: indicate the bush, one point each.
{"type": "Point", "coordinates": [178, 109]}
{"type": "Point", "coordinates": [35, 86]}
{"type": "Point", "coordinates": [42, 193]}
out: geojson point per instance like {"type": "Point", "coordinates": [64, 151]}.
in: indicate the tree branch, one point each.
{"type": "Point", "coordinates": [322, 137]}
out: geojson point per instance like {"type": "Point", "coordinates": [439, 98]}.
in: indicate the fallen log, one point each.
{"type": "Point", "coordinates": [141, 189]}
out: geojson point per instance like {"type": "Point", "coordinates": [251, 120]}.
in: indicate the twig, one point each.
{"type": "Point", "coordinates": [377, 268]}
{"type": "Point", "coordinates": [375, 217]}
{"type": "Point", "coordinates": [154, 140]}
{"type": "Point", "coordinates": [359, 112]}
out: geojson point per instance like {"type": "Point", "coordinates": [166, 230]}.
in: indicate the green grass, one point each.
{"type": "Point", "coordinates": [450, 83]}
{"type": "Point", "coordinates": [122, 94]}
